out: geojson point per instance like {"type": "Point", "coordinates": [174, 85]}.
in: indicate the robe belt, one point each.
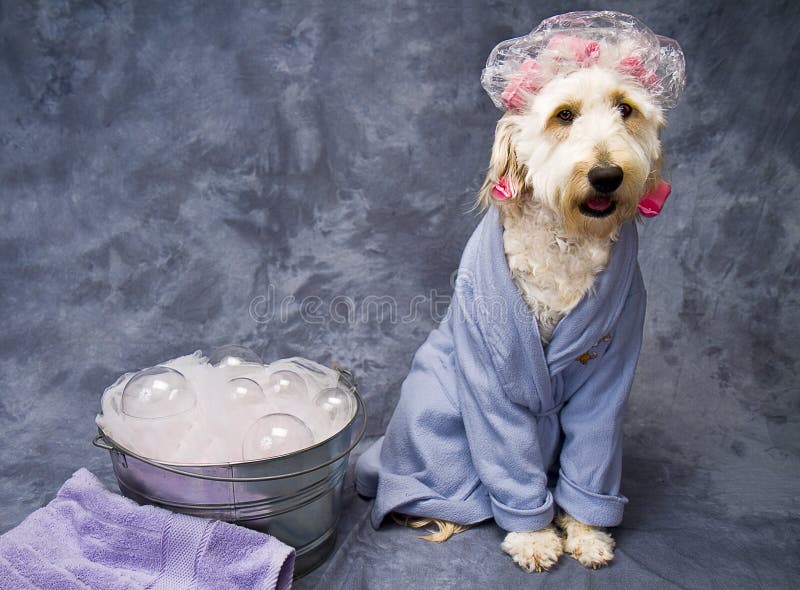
{"type": "Point", "coordinates": [554, 410]}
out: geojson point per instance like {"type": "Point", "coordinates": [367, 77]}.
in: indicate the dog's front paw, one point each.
{"type": "Point", "coordinates": [536, 550]}
{"type": "Point", "coordinates": [591, 546]}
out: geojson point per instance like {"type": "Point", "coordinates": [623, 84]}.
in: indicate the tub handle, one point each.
{"type": "Point", "coordinates": [101, 442]}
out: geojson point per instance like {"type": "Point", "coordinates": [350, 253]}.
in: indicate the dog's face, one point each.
{"type": "Point", "coordinates": [586, 146]}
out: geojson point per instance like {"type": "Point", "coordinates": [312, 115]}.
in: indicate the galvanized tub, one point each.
{"type": "Point", "coordinates": [295, 498]}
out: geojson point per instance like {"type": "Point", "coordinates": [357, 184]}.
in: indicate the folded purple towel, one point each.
{"type": "Point", "coordinates": [89, 537]}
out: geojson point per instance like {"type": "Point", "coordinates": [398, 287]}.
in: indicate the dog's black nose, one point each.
{"type": "Point", "coordinates": [605, 179]}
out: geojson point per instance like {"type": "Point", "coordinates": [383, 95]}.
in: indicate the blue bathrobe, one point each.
{"type": "Point", "coordinates": [487, 412]}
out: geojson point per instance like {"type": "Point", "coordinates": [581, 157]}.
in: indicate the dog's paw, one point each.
{"type": "Point", "coordinates": [591, 546]}
{"type": "Point", "coordinates": [536, 550]}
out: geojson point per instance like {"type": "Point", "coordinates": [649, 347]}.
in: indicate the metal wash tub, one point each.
{"type": "Point", "coordinates": [295, 498]}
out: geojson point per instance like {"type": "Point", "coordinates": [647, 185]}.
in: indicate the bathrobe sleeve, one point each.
{"type": "Point", "coordinates": [591, 455]}
{"type": "Point", "coordinates": [502, 435]}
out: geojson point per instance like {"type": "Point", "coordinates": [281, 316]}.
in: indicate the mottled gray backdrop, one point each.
{"type": "Point", "coordinates": [172, 172]}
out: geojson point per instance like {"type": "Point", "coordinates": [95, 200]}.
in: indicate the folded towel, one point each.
{"type": "Point", "coordinates": [89, 537]}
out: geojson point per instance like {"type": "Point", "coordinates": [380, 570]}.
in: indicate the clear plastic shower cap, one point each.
{"type": "Point", "coordinates": [567, 42]}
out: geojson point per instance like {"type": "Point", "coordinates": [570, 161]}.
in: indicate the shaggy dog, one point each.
{"type": "Point", "coordinates": [575, 156]}
{"type": "Point", "coordinates": [589, 143]}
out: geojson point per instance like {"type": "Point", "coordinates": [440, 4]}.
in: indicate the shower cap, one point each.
{"type": "Point", "coordinates": [567, 42]}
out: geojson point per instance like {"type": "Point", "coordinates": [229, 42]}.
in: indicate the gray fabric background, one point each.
{"type": "Point", "coordinates": [166, 164]}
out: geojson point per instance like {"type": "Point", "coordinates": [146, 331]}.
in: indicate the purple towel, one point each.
{"type": "Point", "coordinates": [89, 537]}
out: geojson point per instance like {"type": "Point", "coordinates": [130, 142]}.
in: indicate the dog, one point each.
{"type": "Point", "coordinates": [592, 137]}
{"type": "Point", "coordinates": [576, 160]}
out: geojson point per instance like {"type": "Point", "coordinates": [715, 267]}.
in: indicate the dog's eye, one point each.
{"type": "Point", "coordinates": [625, 110]}
{"type": "Point", "coordinates": [566, 115]}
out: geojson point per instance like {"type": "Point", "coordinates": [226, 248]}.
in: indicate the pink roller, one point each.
{"type": "Point", "coordinates": [652, 202]}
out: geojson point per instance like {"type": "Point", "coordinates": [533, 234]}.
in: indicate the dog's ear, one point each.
{"type": "Point", "coordinates": [503, 164]}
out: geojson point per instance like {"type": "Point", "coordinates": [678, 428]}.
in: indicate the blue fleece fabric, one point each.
{"type": "Point", "coordinates": [486, 412]}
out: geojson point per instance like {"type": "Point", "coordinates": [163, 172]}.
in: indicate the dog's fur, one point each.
{"type": "Point", "coordinates": [553, 248]}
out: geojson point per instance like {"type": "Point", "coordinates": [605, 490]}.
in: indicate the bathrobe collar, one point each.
{"type": "Point", "coordinates": [516, 336]}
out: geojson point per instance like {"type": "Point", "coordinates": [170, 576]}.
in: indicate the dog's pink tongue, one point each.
{"type": "Point", "coordinates": [598, 203]}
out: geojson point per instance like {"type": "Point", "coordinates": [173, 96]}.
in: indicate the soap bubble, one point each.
{"type": "Point", "coordinates": [336, 404]}
{"type": "Point", "coordinates": [157, 392]}
{"type": "Point", "coordinates": [233, 356]}
{"type": "Point", "coordinates": [310, 367]}
{"type": "Point", "coordinates": [275, 434]}
{"type": "Point", "coordinates": [286, 384]}
{"type": "Point", "coordinates": [245, 392]}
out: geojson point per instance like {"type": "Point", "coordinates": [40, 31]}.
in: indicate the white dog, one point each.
{"type": "Point", "coordinates": [575, 155]}
{"type": "Point", "coordinates": [583, 153]}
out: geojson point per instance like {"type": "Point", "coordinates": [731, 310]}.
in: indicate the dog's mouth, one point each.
{"type": "Point", "coordinates": [598, 206]}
